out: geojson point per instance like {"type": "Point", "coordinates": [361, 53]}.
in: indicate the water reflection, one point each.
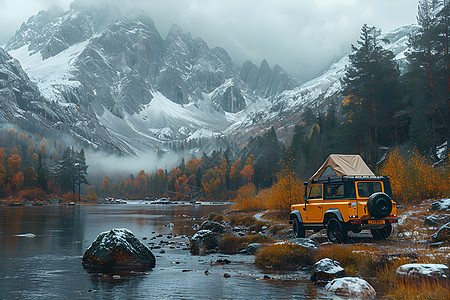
{"type": "Point", "coordinates": [49, 265]}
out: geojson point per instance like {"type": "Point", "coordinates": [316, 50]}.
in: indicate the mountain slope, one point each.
{"type": "Point", "coordinates": [142, 89]}
{"type": "Point", "coordinates": [115, 84]}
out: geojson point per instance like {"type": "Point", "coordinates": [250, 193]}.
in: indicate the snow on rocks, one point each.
{"type": "Point", "coordinates": [351, 287]}
{"type": "Point", "coordinates": [436, 220]}
{"type": "Point", "coordinates": [443, 234]}
{"type": "Point", "coordinates": [326, 270]}
{"type": "Point", "coordinates": [118, 250]}
{"type": "Point", "coordinates": [213, 226]}
{"type": "Point", "coordinates": [442, 205]}
{"type": "Point", "coordinates": [307, 243]}
{"type": "Point", "coordinates": [420, 271]}
{"type": "Point", "coordinates": [203, 241]}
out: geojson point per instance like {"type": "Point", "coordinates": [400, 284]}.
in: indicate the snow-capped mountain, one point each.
{"type": "Point", "coordinates": [115, 84]}
{"type": "Point", "coordinates": [120, 75]}
{"type": "Point", "coordinates": [286, 107]}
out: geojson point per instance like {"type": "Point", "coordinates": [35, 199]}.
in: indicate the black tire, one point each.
{"type": "Point", "coordinates": [298, 228]}
{"type": "Point", "coordinates": [382, 233]}
{"type": "Point", "coordinates": [379, 205]}
{"type": "Point", "coordinates": [336, 231]}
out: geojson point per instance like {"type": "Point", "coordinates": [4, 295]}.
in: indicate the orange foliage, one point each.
{"type": "Point", "coordinates": [17, 181]}
{"type": "Point", "coordinates": [414, 178]}
{"type": "Point", "coordinates": [13, 165]}
{"type": "Point", "coordinates": [69, 197]}
{"type": "Point", "coordinates": [246, 199]}
{"type": "Point", "coordinates": [192, 166]}
{"type": "Point", "coordinates": [106, 186]}
{"type": "Point", "coordinates": [33, 195]}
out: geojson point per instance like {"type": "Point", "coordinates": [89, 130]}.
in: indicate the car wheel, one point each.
{"type": "Point", "coordinates": [298, 228]}
{"type": "Point", "coordinates": [379, 205]}
{"type": "Point", "coordinates": [382, 233]}
{"type": "Point", "coordinates": [336, 232]}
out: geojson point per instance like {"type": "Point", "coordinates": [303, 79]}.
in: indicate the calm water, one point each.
{"type": "Point", "coordinates": [48, 266]}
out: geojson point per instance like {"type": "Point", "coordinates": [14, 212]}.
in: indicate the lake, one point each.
{"type": "Point", "coordinates": [48, 265]}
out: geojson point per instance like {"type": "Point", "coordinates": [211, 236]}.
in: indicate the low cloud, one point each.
{"type": "Point", "coordinates": [301, 36]}
{"type": "Point", "coordinates": [108, 164]}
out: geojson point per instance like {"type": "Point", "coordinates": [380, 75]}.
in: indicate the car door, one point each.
{"type": "Point", "coordinates": [314, 207]}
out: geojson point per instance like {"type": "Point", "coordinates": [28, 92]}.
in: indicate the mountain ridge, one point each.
{"type": "Point", "coordinates": [108, 73]}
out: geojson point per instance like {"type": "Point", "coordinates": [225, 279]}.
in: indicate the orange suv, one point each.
{"type": "Point", "coordinates": [344, 195]}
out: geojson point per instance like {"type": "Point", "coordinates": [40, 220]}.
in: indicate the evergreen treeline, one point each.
{"type": "Point", "coordinates": [382, 108]}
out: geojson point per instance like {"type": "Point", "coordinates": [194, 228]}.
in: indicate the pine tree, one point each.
{"type": "Point", "coordinates": [428, 75]}
{"type": "Point", "coordinates": [42, 172]}
{"type": "Point", "coordinates": [80, 168]}
{"type": "Point", "coordinates": [370, 83]}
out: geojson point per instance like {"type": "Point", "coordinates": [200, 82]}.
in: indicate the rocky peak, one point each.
{"type": "Point", "coordinates": [50, 32]}
{"type": "Point", "coordinates": [265, 81]}
{"type": "Point", "coordinates": [228, 98]}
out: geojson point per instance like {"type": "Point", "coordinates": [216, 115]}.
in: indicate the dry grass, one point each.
{"type": "Point", "coordinates": [215, 217]}
{"type": "Point", "coordinates": [355, 259]}
{"type": "Point", "coordinates": [231, 244]}
{"type": "Point", "coordinates": [425, 289]}
{"type": "Point", "coordinates": [283, 257]}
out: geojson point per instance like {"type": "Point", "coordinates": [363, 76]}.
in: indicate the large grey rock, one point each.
{"type": "Point", "coordinates": [118, 250]}
{"type": "Point", "coordinates": [307, 243]}
{"type": "Point", "coordinates": [351, 287]}
{"type": "Point", "coordinates": [213, 226]}
{"type": "Point", "coordinates": [436, 220]}
{"type": "Point", "coordinates": [252, 248]}
{"type": "Point", "coordinates": [442, 205]}
{"type": "Point", "coordinates": [326, 270]}
{"type": "Point", "coordinates": [202, 241]}
{"type": "Point", "coordinates": [421, 271]}
{"type": "Point", "coordinates": [443, 234]}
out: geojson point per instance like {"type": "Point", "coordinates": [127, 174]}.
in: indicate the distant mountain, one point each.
{"type": "Point", "coordinates": [122, 76]}
{"type": "Point", "coordinates": [113, 83]}
{"type": "Point", "coordinates": [286, 108]}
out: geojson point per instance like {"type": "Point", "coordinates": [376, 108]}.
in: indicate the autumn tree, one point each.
{"type": "Point", "coordinates": [29, 177]}
{"type": "Point", "coordinates": [2, 168]}
{"type": "Point", "coordinates": [288, 188]}
{"type": "Point", "coordinates": [106, 186]}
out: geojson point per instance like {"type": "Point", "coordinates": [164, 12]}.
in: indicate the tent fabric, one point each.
{"type": "Point", "coordinates": [343, 165]}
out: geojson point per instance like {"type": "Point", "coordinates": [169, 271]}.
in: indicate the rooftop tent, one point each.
{"type": "Point", "coordinates": [342, 165]}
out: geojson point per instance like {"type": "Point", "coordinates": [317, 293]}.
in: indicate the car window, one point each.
{"type": "Point", "coordinates": [315, 192]}
{"type": "Point", "coordinates": [333, 191]}
{"type": "Point", "coordinates": [365, 189]}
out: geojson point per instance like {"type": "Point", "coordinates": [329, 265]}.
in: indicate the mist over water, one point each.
{"type": "Point", "coordinates": [114, 164]}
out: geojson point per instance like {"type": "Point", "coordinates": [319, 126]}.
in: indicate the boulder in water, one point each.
{"type": "Point", "coordinates": [351, 287]}
{"type": "Point", "coordinates": [326, 270]}
{"type": "Point", "coordinates": [203, 241]}
{"type": "Point", "coordinates": [118, 250]}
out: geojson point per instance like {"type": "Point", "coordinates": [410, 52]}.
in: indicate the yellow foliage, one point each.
{"type": "Point", "coordinates": [245, 199]}
{"type": "Point", "coordinates": [414, 178]}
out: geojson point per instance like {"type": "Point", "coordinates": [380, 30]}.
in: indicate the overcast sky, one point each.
{"type": "Point", "coordinates": [302, 36]}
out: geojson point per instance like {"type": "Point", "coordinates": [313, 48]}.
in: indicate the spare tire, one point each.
{"type": "Point", "coordinates": [379, 205]}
